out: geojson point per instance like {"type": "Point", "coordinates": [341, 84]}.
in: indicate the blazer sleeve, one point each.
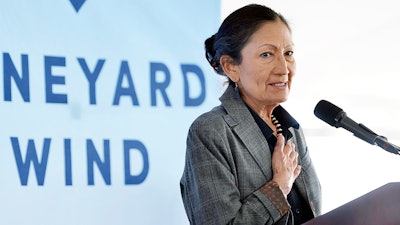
{"type": "Point", "coordinates": [209, 187]}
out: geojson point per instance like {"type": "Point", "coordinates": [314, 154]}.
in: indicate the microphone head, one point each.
{"type": "Point", "coordinates": [328, 112]}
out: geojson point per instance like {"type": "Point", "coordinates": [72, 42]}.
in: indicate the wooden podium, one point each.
{"type": "Point", "coordinates": [378, 207]}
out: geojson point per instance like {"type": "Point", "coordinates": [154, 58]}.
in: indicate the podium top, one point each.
{"type": "Point", "coordinates": [380, 206]}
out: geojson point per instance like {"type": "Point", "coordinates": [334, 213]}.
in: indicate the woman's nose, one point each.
{"type": "Point", "coordinates": [281, 65]}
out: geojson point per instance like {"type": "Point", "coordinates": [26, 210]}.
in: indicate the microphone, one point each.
{"type": "Point", "coordinates": [336, 117]}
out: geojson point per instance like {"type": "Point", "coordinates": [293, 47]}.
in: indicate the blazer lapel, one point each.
{"type": "Point", "coordinates": [243, 124]}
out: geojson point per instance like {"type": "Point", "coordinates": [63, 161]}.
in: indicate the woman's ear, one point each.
{"type": "Point", "coordinates": [230, 68]}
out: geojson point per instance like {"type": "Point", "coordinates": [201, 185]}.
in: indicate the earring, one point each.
{"type": "Point", "coordinates": [236, 86]}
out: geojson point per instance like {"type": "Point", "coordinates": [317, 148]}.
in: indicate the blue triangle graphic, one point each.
{"type": "Point", "coordinates": [77, 4]}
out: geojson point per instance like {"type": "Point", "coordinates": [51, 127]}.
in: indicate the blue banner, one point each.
{"type": "Point", "coordinates": [96, 98]}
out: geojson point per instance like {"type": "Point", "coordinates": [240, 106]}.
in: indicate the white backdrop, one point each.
{"type": "Point", "coordinates": [346, 53]}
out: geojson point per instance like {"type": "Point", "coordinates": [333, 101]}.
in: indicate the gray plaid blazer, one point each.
{"type": "Point", "coordinates": [228, 160]}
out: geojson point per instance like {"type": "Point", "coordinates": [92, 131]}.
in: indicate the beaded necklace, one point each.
{"type": "Point", "coordinates": [277, 124]}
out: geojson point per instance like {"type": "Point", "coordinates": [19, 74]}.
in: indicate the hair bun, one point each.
{"type": "Point", "coordinates": [210, 52]}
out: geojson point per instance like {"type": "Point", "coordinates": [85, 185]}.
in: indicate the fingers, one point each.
{"type": "Point", "coordinates": [296, 172]}
{"type": "Point", "coordinates": [293, 156]}
{"type": "Point", "coordinates": [285, 164]}
{"type": "Point", "coordinates": [292, 152]}
{"type": "Point", "coordinates": [280, 141]}
{"type": "Point", "coordinates": [287, 150]}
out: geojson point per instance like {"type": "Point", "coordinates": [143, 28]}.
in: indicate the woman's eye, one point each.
{"type": "Point", "coordinates": [289, 53]}
{"type": "Point", "coordinates": [266, 54]}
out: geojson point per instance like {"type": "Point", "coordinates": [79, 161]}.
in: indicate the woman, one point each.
{"type": "Point", "coordinates": [246, 160]}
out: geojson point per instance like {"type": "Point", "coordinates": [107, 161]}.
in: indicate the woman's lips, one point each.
{"type": "Point", "coordinates": [278, 84]}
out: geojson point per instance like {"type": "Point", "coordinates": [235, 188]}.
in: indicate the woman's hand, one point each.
{"type": "Point", "coordinates": [285, 165]}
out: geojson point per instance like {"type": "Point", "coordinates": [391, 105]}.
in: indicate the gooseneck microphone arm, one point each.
{"type": "Point", "coordinates": [336, 117]}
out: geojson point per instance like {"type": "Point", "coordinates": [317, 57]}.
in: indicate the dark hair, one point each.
{"type": "Point", "coordinates": [235, 31]}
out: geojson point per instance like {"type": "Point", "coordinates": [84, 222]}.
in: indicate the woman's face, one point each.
{"type": "Point", "coordinates": [268, 66]}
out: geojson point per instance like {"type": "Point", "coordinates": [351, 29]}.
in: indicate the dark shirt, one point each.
{"type": "Point", "coordinates": [299, 206]}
